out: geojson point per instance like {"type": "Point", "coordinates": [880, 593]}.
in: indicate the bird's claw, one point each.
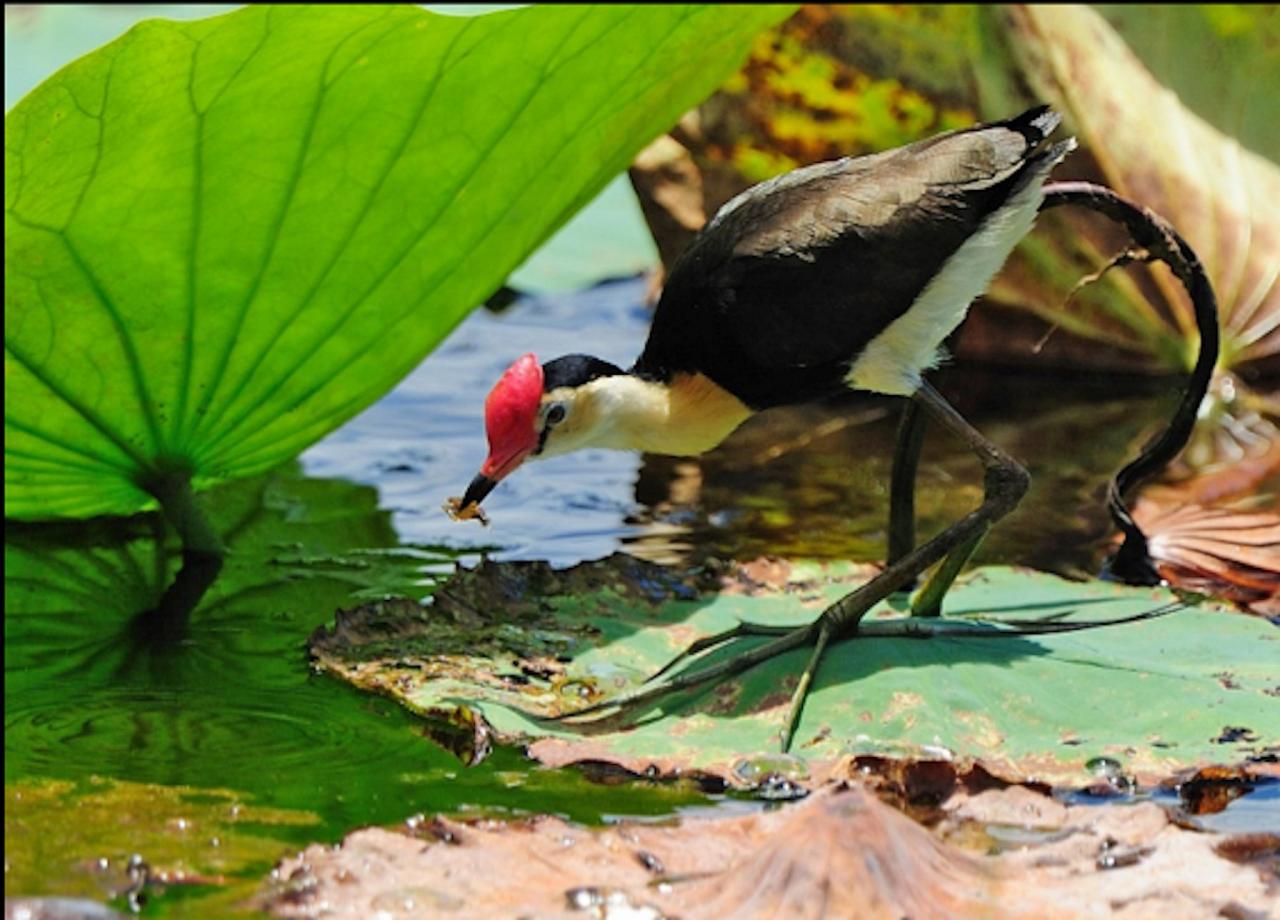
{"type": "Point", "coordinates": [711, 642]}
{"type": "Point", "coordinates": [785, 638]}
{"type": "Point", "coordinates": [819, 634]}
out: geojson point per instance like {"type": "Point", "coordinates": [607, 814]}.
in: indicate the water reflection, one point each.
{"type": "Point", "coordinates": [234, 705]}
{"type": "Point", "coordinates": [89, 690]}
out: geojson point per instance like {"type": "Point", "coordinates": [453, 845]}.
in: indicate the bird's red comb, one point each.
{"type": "Point", "coordinates": [510, 413]}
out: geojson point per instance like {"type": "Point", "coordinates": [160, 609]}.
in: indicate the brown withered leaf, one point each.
{"type": "Point", "coordinates": [1212, 789]}
{"type": "Point", "coordinates": [839, 853]}
{"type": "Point", "coordinates": [1228, 554]}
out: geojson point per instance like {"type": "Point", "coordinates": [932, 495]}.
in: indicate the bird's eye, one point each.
{"type": "Point", "coordinates": [556, 414]}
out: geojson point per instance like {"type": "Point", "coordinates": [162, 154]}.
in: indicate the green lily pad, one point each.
{"type": "Point", "coordinates": [513, 643]}
{"type": "Point", "coordinates": [225, 237]}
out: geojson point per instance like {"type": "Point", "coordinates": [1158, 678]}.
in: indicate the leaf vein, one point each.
{"type": "Point", "coordinates": [219, 432]}
{"type": "Point", "coordinates": [193, 248]}
{"type": "Point", "coordinates": [248, 452]}
{"type": "Point", "coordinates": [242, 312]}
{"type": "Point", "coordinates": [84, 411]}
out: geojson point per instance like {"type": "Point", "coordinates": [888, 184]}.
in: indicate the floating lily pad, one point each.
{"type": "Point", "coordinates": [511, 643]}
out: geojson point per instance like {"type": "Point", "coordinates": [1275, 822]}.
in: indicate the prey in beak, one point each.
{"type": "Point", "coordinates": [510, 421]}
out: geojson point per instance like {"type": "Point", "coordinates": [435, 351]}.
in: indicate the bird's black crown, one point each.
{"type": "Point", "coordinates": [574, 371]}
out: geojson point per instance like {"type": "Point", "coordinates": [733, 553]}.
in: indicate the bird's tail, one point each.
{"type": "Point", "coordinates": [1039, 157]}
{"type": "Point", "coordinates": [1034, 124]}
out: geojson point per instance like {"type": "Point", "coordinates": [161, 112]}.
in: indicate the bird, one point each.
{"type": "Point", "coordinates": [846, 275]}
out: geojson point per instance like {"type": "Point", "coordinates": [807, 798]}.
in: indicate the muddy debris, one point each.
{"type": "Point", "coordinates": [1212, 789]}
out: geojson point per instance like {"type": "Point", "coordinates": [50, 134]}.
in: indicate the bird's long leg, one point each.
{"type": "Point", "coordinates": [796, 637]}
{"type": "Point", "coordinates": [902, 534]}
{"type": "Point", "coordinates": [927, 602]}
{"type": "Point", "coordinates": [902, 486]}
{"type": "Point", "coordinates": [1004, 484]}
{"type": "Point", "coordinates": [902, 481]}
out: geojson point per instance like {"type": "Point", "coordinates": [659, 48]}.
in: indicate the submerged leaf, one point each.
{"type": "Point", "coordinates": [1228, 553]}
{"type": "Point", "coordinates": [518, 642]}
{"type": "Point", "coordinates": [225, 237]}
{"type": "Point", "coordinates": [66, 839]}
{"type": "Point", "coordinates": [1218, 533]}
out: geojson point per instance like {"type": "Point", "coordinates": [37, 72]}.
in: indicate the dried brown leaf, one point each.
{"type": "Point", "coordinates": [840, 853]}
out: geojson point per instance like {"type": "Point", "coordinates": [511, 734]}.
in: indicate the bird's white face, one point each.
{"type": "Point", "coordinates": [524, 423]}
{"type": "Point", "coordinates": [573, 418]}
{"type": "Point", "coordinates": [558, 424]}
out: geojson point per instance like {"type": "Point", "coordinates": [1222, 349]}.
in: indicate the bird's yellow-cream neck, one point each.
{"type": "Point", "coordinates": [688, 416]}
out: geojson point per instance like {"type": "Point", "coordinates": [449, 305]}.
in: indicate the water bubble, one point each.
{"type": "Point", "coordinates": [773, 777]}
{"type": "Point", "coordinates": [584, 898]}
{"type": "Point", "coordinates": [1106, 767]}
{"type": "Point", "coordinates": [650, 862]}
{"type": "Point", "coordinates": [753, 771]}
{"type": "Point", "coordinates": [1112, 776]}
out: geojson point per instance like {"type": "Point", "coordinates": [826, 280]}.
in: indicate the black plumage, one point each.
{"type": "Point", "coordinates": [575, 370]}
{"type": "Point", "coordinates": [781, 292]}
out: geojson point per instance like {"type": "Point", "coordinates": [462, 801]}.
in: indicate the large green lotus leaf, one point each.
{"type": "Point", "coordinates": [225, 237]}
{"type": "Point", "coordinates": [606, 239]}
{"type": "Point", "coordinates": [517, 641]}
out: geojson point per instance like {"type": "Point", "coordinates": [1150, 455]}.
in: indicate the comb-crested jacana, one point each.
{"type": "Point", "coordinates": [845, 275]}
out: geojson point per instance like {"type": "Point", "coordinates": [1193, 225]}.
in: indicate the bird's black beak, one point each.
{"type": "Point", "coordinates": [479, 489]}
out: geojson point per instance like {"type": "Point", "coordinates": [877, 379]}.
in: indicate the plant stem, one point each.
{"type": "Point", "coordinates": [178, 502]}
{"type": "Point", "coordinates": [202, 555]}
